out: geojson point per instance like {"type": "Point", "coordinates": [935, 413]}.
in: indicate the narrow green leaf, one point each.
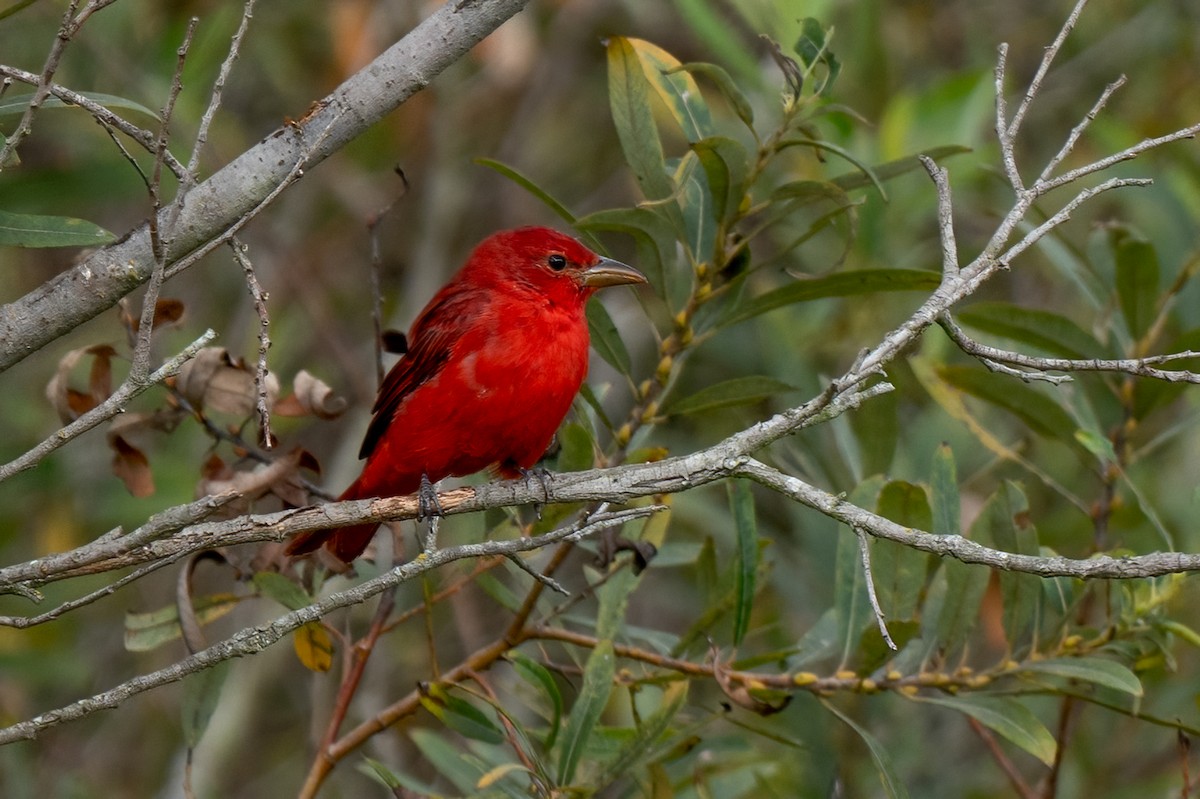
{"type": "Point", "coordinates": [605, 338]}
{"type": "Point", "coordinates": [461, 716]}
{"type": "Point", "coordinates": [741, 504]}
{"type": "Point", "coordinates": [147, 631]}
{"type": "Point", "coordinates": [876, 426]}
{"type": "Point", "coordinates": [947, 510]}
{"type": "Point", "coordinates": [965, 586]}
{"type": "Point", "coordinates": [726, 166]}
{"type": "Point", "coordinates": [892, 169]}
{"type": "Point", "coordinates": [201, 694]}
{"type": "Point", "coordinates": [1039, 411]}
{"type": "Point", "coordinates": [836, 284]}
{"type": "Point", "coordinates": [540, 677]}
{"type": "Point", "coordinates": [16, 104]}
{"type": "Point", "coordinates": [639, 748]}
{"type": "Point", "coordinates": [447, 760]}
{"type": "Point", "coordinates": [813, 49]}
{"type": "Point", "coordinates": [883, 761]}
{"type": "Point", "coordinates": [819, 144]}
{"type": "Point", "coordinates": [800, 193]}
{"type": "Point", "coordinates": [899, 571]}
{"type": "Point", "coordinates": [651, 232]}
{"type": "Point", "coordinates": [737, 391]}
{"type": "Point", "coordinates": [1088, 669]}
{"type": "Point", "coordinates": [629, 99]}
{"type": "Point", "coordinates": [31, 230]}
{"type": "Point", "coordinates": [281, 589]}
{"type": "Point", "coordinates": [577, 451]}
{"type": "Point", "coordinates": [724, 82]}
{"type": "Point", "coordinates": [1012, 530]}
{"type": "Point", "coordinates": [1137, 279]}
{"type": "Point", "coordinates": [1008, 717]}
{"type": "Point", "coordinates": [697, 205]}
{"type": "Point", "coordinates": [676, 88]}
{"type": "Point", "coordinates": [585, 714]}
{"type": "Point", "coordinates": [531, 187]}
{"type": "Point", "coordinates": [1049, 332]}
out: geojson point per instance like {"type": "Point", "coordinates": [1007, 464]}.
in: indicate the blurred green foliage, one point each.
{"type": "Point", "coordinates": [775, 201]}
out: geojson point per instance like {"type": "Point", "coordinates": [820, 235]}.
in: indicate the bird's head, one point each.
{"type": "Point", "coordinates": [551, 263]}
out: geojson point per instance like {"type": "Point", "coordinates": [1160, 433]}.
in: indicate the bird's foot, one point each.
{"type": "Point", "coordinates": [543, 476]}
{"type": "Point", "coordinates": [427, 500]}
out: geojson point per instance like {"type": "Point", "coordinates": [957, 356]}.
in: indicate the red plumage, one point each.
{"type": "Point", "coordinates": [493, 364]}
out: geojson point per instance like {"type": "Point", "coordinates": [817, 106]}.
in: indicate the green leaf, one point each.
{"type": "Point", "coordinates": [883, 761]}
{"type": "Point", "coordinates": [531, 187]}
{"type": "Point", "coordinates": [639, 748]}
{"type": "Point", "coordinates": [16, 104]}
{"type": "Point", "coordinates": [727, 167]}
{"type": "Point", "coordinates": [676, 88]}
{"type": "Point", "coordinates": [32, 230]}
{"type": "Point", "coordinates": [147, 631]}
{"type": "Point", "coordinates": [806, 192]}
{"type": "Point", "coordinates": [899, 571]}
{"type": "Point", "coordinates": [462, 772]}
{"type": "Point", "coordinates": [605, 338]}
{"type": "Point", "coordinates": [1088, 669]}
{"type": "Point", "coordinates": [651, 232]}
{"type": "Point", "coordinates": [738, 391]}
{"type": "Point", "coordinates": [813, 49]}
{"type": "Point", "coordinates": [1137, 279]}
{"type": "Point", "coordinates": [1008, 717]}
{"type": "Point", "coordinates": [1006, 515]}
{"type": "Point", "coordinates": [892, 169]}
{"type": "Point", "coordinates": [741, 504]}
{"type": "Point", "coordinates": [629, 99]}
{"type": "Point", "coordinates": [876, 427]}
{"type": "Point", "coordinates": [965, 586]}
{"type": "Point", "coordinates": [282, 590]}
{"type": "Point", "coordinates": [1049, 332]}
{"type": "Point", "coordinates": [836, 284]}
{"type": "Point", "coordinates": [724, 83]}
{"type": "Point", "coordinates": [460, 715]}
{"type": "Point", "coordinates": [201, 693]}
{"type": "Point", "coordinates": [820, 144]}
{"type": "Point", "coordinates": [540, 677]}
{"type": "Point", "coordinates": [585, 714]}
{"type": "Point", "coordinates": [577, 451]}
{"type": "Point", "coordinates": [947, 508]}
{"type": "Point", "coordinates": [1043, 414]}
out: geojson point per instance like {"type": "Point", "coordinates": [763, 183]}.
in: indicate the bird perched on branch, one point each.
{"type": "Point", "coordinates": [493, 363]}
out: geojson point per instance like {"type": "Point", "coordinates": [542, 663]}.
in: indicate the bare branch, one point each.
{"type": "Point", "coordinates": [252, 640]}
{"type": "Point", "coordinates": [1138, 367]}
{"type": "Point", "coordinates": [265, 437]}
{"type": "Point", "coordinates": [864, 549]}
{"type": "Point", "coordinates": [1035, 85]}
{"type": "Point", "coordinates": [1078, 130]}
{"type": "Point", "coordinates": [941, 180]}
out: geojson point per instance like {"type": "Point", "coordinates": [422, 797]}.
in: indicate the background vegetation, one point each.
{"type": "Point", "coordinates": [1004, 682]}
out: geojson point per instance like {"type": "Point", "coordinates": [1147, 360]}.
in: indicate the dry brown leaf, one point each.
{"type": "Point", "coordinates": [168, 312]}
{"type": "Point", "coordinates": [312, 396]}
{"type": "Point", "coordinates": [70, 403]}
{"type": "Point", "coordinates": [131, 465]}
{"type": "Point", "coordinates": [216, 381]}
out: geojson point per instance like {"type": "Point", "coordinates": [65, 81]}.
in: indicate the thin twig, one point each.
{"type": "Point", "coordinates": [864, 549]}
{"type": "Point", "coordinates": [941, 180]}
{"type": "Point", "coordinates": [266, 438]}
{"type": "Point", "coordinates": [1078, 130]}
{"type": "Point", "coordinates": [1035, 85]}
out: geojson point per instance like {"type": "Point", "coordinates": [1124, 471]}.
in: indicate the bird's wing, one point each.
{"type": "Point", "coordinates": [432, 338]}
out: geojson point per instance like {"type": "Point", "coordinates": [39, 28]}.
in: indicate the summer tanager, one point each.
{"type": "Point", "coordinates": [492, 366]}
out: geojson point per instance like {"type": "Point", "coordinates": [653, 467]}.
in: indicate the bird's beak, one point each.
{"type": "Point", "coordinates": [610, 273]}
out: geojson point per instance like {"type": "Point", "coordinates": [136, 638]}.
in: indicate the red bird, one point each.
{"type": "Point", "coordinates": [493, 364]}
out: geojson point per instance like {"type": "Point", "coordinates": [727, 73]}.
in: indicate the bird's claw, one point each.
{"type": "Point", "coordinates": [543, 476]}
{"type": "Point", "coordinates": [428, 505]}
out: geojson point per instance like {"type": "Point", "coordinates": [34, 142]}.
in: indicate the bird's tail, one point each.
{"type": "Point", "coordinates": [346, 543]}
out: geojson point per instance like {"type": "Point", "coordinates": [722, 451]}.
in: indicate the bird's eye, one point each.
{"type": "Point", "coordinates": [557, 262]}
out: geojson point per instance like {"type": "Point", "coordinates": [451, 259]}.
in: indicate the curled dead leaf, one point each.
{"type": "Point", "coordinates": [70, 403]}
{"type": "Point", "coordinates": [280, 477]}
{"type": "Point", "coordinates": [740, 694]}
{"type": "Point", "coordinates": [218, 382]}
{"type": "Point", "coordinates": [132, 466]}
{"type": "Point", "coordinates": [312, 396]}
